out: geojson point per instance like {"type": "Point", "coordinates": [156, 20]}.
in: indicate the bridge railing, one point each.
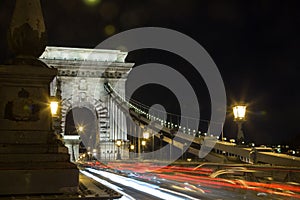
{"type": "Point", "coordinates": [184, 124]}
{"type": "Point", "coordinates": [166, 130]}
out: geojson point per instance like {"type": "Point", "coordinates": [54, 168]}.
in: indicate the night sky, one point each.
{"type": "Point", "coordinates": [255, 45]}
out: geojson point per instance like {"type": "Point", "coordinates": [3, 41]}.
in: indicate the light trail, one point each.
{"type": "Point", "coordinates": [178, 193]}
{"type": "Point", "coordinates": [108, 184]}
{"type": "Point", "coordinates": [141, 186]}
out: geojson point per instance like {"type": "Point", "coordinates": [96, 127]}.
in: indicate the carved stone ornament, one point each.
{"type": "Point", "coordinates": [22, 108]}
{"type": "Point", "coordinates": [27, 33]}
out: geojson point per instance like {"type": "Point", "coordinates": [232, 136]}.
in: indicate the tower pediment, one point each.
{"type": "Point", "coordinates": [83, 54]}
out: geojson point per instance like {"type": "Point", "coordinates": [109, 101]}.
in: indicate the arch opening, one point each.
{"type": "Point", "coordinates": [81, 132]}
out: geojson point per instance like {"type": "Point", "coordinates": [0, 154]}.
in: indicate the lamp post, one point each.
{"type": "Point", "coordinates": [143, 145]}
{"type": "Point", "coordinates": [146, 135]}
{"type": "Point", "coordinates": [239, 112]}
{"type": "Point", "coordinates": [131, 150]}
{"type": "Point", "coordinates": [119, 143]}
{"type": "Point", "coordinates": [94, 156]}
{"type": "Point", "coordinates": [161, 137]}
{"type": "Point", "coordinates": [89, 155]}
{"type": "Point", "coordinates": [153, 144]}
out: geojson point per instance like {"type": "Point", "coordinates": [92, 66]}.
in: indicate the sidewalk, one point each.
{"type": "Point", "coordinates": [88, 190]}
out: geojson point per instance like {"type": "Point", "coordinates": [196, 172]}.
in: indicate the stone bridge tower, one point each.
{"type": "Point", "coordinates": [80, 84]}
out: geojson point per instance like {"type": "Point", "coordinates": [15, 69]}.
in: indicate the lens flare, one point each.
{"type": "Point", "coordinates": [91, 2]}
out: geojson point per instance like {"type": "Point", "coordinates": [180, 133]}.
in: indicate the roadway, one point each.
{"type": "Point", "coordinates": [147, 181]}
{"type": "Point", "coordinates": [131, 188]}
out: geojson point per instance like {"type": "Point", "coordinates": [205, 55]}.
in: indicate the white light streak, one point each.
{"type": "Point", "coordinates": [111, 186]}
{"type": "Point", "coordinates": [144, 187]}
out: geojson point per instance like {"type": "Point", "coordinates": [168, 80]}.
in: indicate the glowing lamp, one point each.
{"type": "Point", "coordinates": [146, 135]}
{"type": "Point", "coordinates": [132, 147]}
{"type": "Point", "coordinates": [239, 112]}
{"type": "Point", "coordinates": [118, 143]}
{"type": "Point", "coordinates": [54, 107]}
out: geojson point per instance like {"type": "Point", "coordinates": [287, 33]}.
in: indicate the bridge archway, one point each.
{"type": "Point", "coordinates": [81, 122]}
{"type": "Point", "coordinates": [96, 107]}
{"type": "Point", "coordinates": [86, 122]}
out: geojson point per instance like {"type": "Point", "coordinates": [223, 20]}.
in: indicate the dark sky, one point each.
{"type": "Point", "coordinates": [255, 45]}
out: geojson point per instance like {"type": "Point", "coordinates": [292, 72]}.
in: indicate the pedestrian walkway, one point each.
{"type": "Point", "coordinates": [88, 190]}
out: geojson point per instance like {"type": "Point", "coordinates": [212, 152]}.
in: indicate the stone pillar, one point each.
{"type": "Point", "coordinates": [32, 159]}
{"type": "Point", "coordinates": [72, 143]}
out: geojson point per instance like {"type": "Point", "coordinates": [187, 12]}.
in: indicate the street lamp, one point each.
{"type": "Point", "coordinates": [54, 104]}
{"type": "Point", "coordinates": [146, 135]}
{"type": "Point", "coordinates": [131, 150]}
{"type": "Point", "coordinates": [132, 147]}
{"type": "Point", "coordinates": [239, 112]}
{"type": "Point", "coordinates": [94, 153]}
{"type": "Point", "coordinates": [143, 145]}
{"type": "Point", "coordinates": [119, 143]}
{"type": "Point", "coordinates": [55, 121]}
{"type": "Point", "coordinates": [89, 155]}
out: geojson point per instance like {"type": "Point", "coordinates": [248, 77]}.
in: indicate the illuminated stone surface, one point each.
{"type": "Point", "coordinates": [80, 83]}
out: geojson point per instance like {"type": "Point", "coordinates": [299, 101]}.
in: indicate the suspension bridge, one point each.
{"type": "Point", "coordinates": [95, 79]}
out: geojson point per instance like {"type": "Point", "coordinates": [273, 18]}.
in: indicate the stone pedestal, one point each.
{"type": "Point", "coordinates": [32, 160]}
{"type": "Point", "coordinates": [72, 143]}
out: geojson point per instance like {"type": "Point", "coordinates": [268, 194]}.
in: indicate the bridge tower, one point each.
{"type": "Point", "coordinates": [80, 86]}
